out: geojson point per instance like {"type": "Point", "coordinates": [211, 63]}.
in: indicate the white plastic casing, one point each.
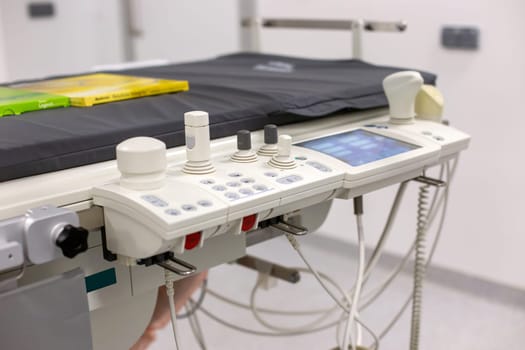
{"type": "Point", "coordinates": [139, 224]}
{"type": "Point", "coordinates": [142, 163]}
{"type": "Point", "coordinates": [401, 89]}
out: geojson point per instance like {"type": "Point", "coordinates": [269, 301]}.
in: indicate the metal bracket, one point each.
{"type": "Point", "coordinates": [290, 228]}
{"type": "Point", "coordinates": [189, 268]}
{"type": "Point", "coordinates": [430, 181]}
{"type": "Point", "coordinates": [162, 261]}
{"type": "Point", "coordinates": [274, 270]}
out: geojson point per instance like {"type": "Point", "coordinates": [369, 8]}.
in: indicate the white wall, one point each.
{"type": "Point", "coordinates": [81, 34]}
{"type": "Point", "coordinates": [185, 30]}
{"type": "Point", "coordinates": [484, 90]}
{"type": "Point", "coordinates": [3, 65]}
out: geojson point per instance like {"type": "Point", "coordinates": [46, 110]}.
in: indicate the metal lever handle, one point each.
{"type": "Point", "coordinates": [290, 228]}
{"type": "Point", "coordinates": [189, 267]}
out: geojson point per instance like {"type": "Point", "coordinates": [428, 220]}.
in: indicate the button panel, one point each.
{"type": "Point", "coordinates": [172, 212]}
{"type": "Point", "coordinates": [219, 188]}
{"type": "Point", "coordinates": [154, 200]}
{"type": "Point", "coordinates": [207, 181]}
{"type": "Point", "coordinates": [290, 179]}
{"type": "Point", "coordinates": [319, 166]}
{"type": "Point", "coordinates": [205, 203]}
{"type": "Point", "coordinates": [231, 195]}
{"type": "Point", "coordinates": [189, 207]}
{"type": "Point", "coordinates": [271, 174]}
{"type": "Point", "coordinates": [260, 187]}
{"type": "Point", "coordinates": [246, 191]}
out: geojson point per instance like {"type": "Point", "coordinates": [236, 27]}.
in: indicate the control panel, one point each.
{"type": "Point", "coordinates": [158, 207]}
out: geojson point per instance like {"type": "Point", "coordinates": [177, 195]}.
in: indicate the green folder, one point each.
{"type": "Point", "coordinates": [16, 101]}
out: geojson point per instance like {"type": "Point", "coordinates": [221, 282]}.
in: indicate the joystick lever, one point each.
{"type": "Point", "coordinates": [197, 131]}
{"type": "Point", "coordinates": [283, 158]}
{"type": "Point", "coordinates": [401, 89]}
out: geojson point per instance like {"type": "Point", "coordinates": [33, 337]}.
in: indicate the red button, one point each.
{"type": "Point", "coordinates": [248, 222]}
{"type": "Point", "coordinates": [192, 240]}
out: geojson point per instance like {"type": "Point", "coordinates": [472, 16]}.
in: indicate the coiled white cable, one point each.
{"type": "Point", "coordinates": [170, 292]}
{"type": "Point", "coordinates": [442, 200]}
{"type": "Point", "coordinates": [419, 267]}
{"type": "Point", "coordinates": [377, 291]}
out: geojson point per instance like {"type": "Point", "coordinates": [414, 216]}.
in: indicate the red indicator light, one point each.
{"type": "Point", "coordinates": [192, 240]}
{"type": "Point", "coordinates": [248, 222]}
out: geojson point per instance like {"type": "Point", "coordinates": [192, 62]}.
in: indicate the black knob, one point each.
{"type": "Point", "coordinates": [244, 140]}
{"type": "Point", "coordinates": [72, 240]}
{"type": "Point", "coordinates": [271, 136]}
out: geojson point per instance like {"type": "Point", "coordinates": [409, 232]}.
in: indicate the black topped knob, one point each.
{"type": "Point", "coordinates": [271, 136]}
{"type": "Point", "coordinates": [244, 140]}
{"type": "Point", "coordinates": [72, 241]}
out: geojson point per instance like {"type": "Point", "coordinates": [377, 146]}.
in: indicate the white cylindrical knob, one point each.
{"type": "Point", "coordinates": [284, 146]}
{"type": "Point", "coordinates": [401, 89]}
{"type": "Point", "coordinates": [142, 163]}
{"type": "Point", "coordinates": [283, 158]}
{"type": "Point", "coordinates": [197, 132]}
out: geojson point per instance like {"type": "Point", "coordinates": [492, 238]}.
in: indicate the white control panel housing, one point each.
{"type": "Point", "coordinates": [143, 223]}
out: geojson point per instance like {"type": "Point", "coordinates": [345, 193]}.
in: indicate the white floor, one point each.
{"type": "Point", "coordinates": [456, 314]}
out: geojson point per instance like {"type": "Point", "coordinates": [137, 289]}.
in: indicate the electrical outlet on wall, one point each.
{"type": "Point", "coordinates": [463, 38]}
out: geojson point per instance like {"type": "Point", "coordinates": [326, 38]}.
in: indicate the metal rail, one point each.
{"type": "Point", "coordinates": [374, 26]}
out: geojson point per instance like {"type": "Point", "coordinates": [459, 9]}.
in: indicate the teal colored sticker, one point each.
{"type": "Point", "coordinates": [101, 280]}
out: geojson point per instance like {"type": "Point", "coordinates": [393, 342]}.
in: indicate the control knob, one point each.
{"type": "Point", "coordinates": [72, 240]}
{"type": "Point", "coordinates": [270, 141]}
{"type": "Point", "coordinates": [244, 153]}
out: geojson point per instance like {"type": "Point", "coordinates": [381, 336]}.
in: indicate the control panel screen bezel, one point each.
{"type": "Point", "coordinates": [359, 146]}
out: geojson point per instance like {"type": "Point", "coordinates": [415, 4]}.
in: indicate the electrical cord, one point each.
{"type": "Point", "coordinates": [195, 305]}
{"type": "Point", "coordinates": [443, 199]}
{"type": "Point", "coordinates": [377, 291]}
{"type": "Point", "coordinates": [269, 325]}
{"type": "Point", "coordinates": [295, 244]}
{"type": "Point", "coordinates": [375, 345]}
{"type": "Point", "coordinates": [170, 292]}
{"type": "Point", "coordinates": [267, 310]}
{"type": "Point", "coordinates": [419, 266]}
{"type": "Point", "coordinates": [216, 318]}
{"type": "Point", "coordinates": [377, 252]}
{"type": "Point", "coordinates": [289, 313]}
{"type": "Point", "coordinates": [358, 208]}
{"type": "Point", "coordinates": [194, 323]}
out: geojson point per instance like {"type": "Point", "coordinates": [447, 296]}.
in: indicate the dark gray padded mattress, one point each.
{"type": "Point", "coordinates": [239, 91]}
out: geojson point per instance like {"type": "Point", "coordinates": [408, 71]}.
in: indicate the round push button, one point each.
{"type": "Point", "coordinates": [189, 207]}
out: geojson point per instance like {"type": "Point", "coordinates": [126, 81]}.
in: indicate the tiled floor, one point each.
{"type": "Point", "coordinates": [458, 312]}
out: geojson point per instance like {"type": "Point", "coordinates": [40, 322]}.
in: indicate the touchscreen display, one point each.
{"type": "Point", "coordinates": [358, 147]}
